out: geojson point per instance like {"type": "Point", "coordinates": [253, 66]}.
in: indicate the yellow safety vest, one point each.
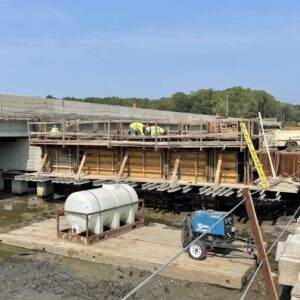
{"type": "Point", "coordinates": [160, 130]}
{"type": "Point", "coordinates": [137, 127]}
{"type": "Point", "coordinates": [54, 131]}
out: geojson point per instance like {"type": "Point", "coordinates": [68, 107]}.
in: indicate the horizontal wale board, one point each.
{"type": "Point", "coordinates": [93, 172]}
{"type": "Point", "coordinates": [140, 168]}
{"type": "Point", "coordinates": [191, 156]}
{"type": "Point", "coordinates": [228, 173]}
{"type": "Point", "coordinates": [192, 178]}
{"type": "Point", "coordinates": [146, 175]}
{"type": "Point", "coordinates": [229, 165]}
{"type": "Point", "coordinates": [229, 155]}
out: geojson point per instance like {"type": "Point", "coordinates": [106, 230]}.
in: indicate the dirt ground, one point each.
{"type": "Point", "coordinates": [38, 275]}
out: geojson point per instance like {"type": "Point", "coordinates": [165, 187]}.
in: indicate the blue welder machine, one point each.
{"type": "Point", "coordinates": [221, 236]}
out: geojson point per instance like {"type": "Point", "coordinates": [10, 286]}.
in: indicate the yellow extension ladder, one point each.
{"type": "Point", "coordinates": [259, 169]}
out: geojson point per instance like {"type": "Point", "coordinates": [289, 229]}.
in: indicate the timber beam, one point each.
{"type": "Point", "coordinates": [174, 188]}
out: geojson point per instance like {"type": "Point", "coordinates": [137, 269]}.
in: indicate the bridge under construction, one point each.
{"type": "Point", "coordinates": [197, 155]}
{"type": "Point", "coordinates": [209, 155]}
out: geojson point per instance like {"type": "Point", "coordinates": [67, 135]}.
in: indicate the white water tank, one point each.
{"type": "Point", "coordinates": [109, 196]}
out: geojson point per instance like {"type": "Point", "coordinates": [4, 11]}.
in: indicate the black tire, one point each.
{"type": "Point", "coordinates": [198, 250]}
{"type": "Point", "coordinates": [186, 233]}
{"type": "Point", "coordinates": [291, 146]}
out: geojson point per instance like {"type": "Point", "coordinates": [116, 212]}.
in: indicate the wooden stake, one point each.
{"type": "Point", "coordinates": [218, 171]}
{"type": "Point", "coordinates": [43, 162]}
{"type": "Point", "coordinates": [175, 170]}
{"type": "Point", "coordinates": [261, 251]}
{"type": "Point", "coordinates": [108, 134]}
{"type": "Point", "coordinates": [81, 165]}
{"type": "Point", "coordinates": [122, 167]}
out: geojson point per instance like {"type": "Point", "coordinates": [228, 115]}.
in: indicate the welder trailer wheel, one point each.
{"type": "Point", "coordinates": [198, 250]}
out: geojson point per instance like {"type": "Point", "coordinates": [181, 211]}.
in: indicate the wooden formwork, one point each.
{"type": "Point", "coordinates": [195, 152]}
{"type": "Point", "coordinates": [192, 165]}
{"type": "Point", "coordinates": [144, 164]}
{"type": "Point", "coordinates": [101, 161]}
{"type": "Point", "coordinates": [229, 167]}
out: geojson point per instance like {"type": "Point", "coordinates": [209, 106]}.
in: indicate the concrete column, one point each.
{"type": "Point", "coordinates": [19, 187]}
{"type": "Point", "coordinates": [44, 189]}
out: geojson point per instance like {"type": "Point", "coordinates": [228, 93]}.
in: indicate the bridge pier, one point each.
{"type": "Point", "coordinates": [44, 189]}
{"type": "Point", "coordinates": [19, 187]}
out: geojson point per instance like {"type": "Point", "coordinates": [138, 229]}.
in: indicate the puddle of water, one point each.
{"type": "Point", "coordinates": [19, 211]}
{"type": "Point", "coordinates": [7, 251]}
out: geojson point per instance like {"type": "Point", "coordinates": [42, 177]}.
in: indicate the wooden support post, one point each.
{"type": "Point", "coordinates": [63, 133]}
{"type": "Point", "coordinates": [266, 145]}
{"type": "Point", "coordinates": [201, 133]}
{"type": "Point", "coordinates": [29, 132]}
{"type": "Point", "coordinates": [241, 133]}
{"type": "Point", "coordinates": [209, 127]}
{"type": "Point", "coordinates": [98, 161]}
{"type": "Point", "coordinates": [81, 165]}
{"type": "Point", "coordinates": [262, 255]}
{"type": "Point", "coordinates": [44, 160]}
{"type": "Point", "coordinates": [155, 136]}
{"type": "Point", "coordinates": [196, 167]}
{"type": "Point", "coordinates": [144, 162]}
{"type": "Point", "coordinates": [218, 171]}
{"type": "Point", "coordinates": [175, 171]}
{"type": "Point", "coordinates": [121, 131]}
{"type": "Point", "coordinates": [108, 134]}
{"type": "Point", "coordinates": [122, 167]}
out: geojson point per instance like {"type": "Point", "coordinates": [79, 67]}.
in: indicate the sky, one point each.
{"type": "Point", "coordinates": [140, 48]}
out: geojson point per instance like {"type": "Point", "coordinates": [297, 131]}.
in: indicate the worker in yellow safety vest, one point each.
{"type": "Point", "coordinates": [54, 131]}
{"type": "Point", "coordinates": [151, 130]}
{"type": "Point", "coordinates": [136, 128]}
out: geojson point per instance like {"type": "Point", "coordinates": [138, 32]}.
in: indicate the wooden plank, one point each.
{"type": "Point", "coordinates": [81, 165]}
{"type": "Point", "coordinates": [218, 170]}
{"type": "Point", "coordinates": [157, 244]}
{"type": "Point", "coordinates": [122, 167]}
{"type": "Point", "coordinates": [295, 293]}
{"type": "Point", "coordinates": [288, 255]}
{"type": "Point", "coordinates": [175, 170]}
{"type": "Point", "coordinates": [108, 134]}
{"type": "Point", "coordinates": [261, 251]}
{"type": "Point", "coordinates": [44, 160]}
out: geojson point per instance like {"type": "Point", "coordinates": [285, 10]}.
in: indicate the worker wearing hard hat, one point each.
{"type": "Point", "coordinates": [136, 128]}
{"type": "Point", "coordinates": [54, 131]}
{"type": "Point", "coordinates": [153, 130]}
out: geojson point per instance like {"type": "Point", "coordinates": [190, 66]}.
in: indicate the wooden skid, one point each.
{"type": "Point", "coordinates": [66, 234]}
{"type": "Point", "coordinates": [146, 248]}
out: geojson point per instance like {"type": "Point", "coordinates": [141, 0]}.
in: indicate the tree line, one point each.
{"type": "Point", "coordinates": [234, 102]}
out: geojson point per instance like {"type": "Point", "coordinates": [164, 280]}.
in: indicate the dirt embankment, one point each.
{"type": "Point", "coordinates": [44, 276]}
{"type": "Point", "coordinates": [38, 279]}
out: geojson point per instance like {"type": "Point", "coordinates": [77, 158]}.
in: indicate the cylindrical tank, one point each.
{"type": "Point", "coordinates": [109, 196]}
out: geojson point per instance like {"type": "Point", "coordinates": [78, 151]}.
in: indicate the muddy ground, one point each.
{"type": "Point", "coordinates": [37, 275]}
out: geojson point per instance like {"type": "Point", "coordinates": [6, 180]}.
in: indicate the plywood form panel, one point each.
{"type": "Point", "coordinates": [62, 160]}
{"type": "Point", "coordinates": [229, 168]}
{"type": "Point", "coordinates": [101, 161]}
{"type": "Point", "coordinates": [144, 163]}
{"type": "Point", "coordinates": [192, 166]}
